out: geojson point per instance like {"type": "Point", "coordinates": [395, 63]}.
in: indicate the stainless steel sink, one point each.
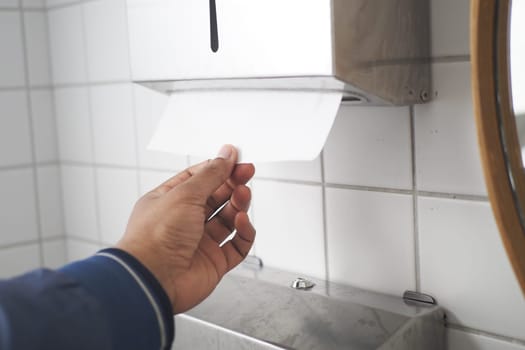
{"type": "Point", "coordinates": [259, 310]}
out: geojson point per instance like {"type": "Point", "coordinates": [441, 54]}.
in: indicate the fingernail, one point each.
{"type": "Point", "coordinates": [225, 152]}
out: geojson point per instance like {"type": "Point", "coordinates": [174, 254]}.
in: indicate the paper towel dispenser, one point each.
{"type": "Point", "coordinates": [375, 51]}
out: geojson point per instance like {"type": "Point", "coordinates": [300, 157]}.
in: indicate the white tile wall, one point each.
{"type": "Point", "coordinates": [55, 3]}
{"type": "Point", "coordinates": [54, 253]}
{"type": "Point", "coordinates": [27, 137]}
{"type": "Point", "coordinates": [299, 171]}
{"type": "Point", "coordinates": [447, 156]}
{"type": "Point", "coordinates": [289, 225]}
{"type": "Point", "coordinates": [113, 124]}
{"type": "Point", "coordinates": [15, 140]}
{"type": "Point", "coordinates": [33, 4]}
{"type": "Point", "coordinates": [117, 193]}
{"type": "Point", "coordinates": [464, 265]}
{"type": "Point", "coordinates": [37, 48]}
{"type": "Point", "coordinates": [18, 260]}
{"type": "Point", "coordinates": [18, 217]}
{"type": "Point", "coordinates": [73, 124]}
{"type": "Point", "coordinates": [12, 57]}
{"type": "Point", "coordinates": [77, 250]}
{"type": "Point", "coordinates": [370, 240]}
{"type": "Point", "coordinates": [44, 125]}
{"type": "Point", "coordinates": [50, 201]}
{"type": "Point", "coordinates": [106, 40]}
{"type": "Point", "coordinates": [79, 198]}
{"type": "Point", "coordinates": [370, 147]}
{"type": "Point", "coordinates": [68, 59]}
{"type": "Point", "coordinates": [9, 3]}
{"type": "Point", "coordinates": [150, 180]}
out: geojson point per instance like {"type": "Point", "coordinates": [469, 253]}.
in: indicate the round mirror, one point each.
{"type": "Point", "coordinates": [498, 73]}
{"type": "Point", "coordinates": [517, 67]}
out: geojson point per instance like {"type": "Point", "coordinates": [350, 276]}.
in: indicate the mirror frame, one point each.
{"type": "Point", "coordinates": [496, 124]}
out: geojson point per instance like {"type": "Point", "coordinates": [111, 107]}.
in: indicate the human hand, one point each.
{"type": "Point", "coordinates": [169, 233]}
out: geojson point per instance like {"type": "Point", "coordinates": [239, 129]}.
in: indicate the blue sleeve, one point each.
{"type": "Point", "coordinates": [108, 301]}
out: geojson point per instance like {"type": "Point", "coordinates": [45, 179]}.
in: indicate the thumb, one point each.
{"type": "Point", "coordinates": [212, 175]}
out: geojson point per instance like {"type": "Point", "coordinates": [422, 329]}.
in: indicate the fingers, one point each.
{"type": "Point", "coordinates": [242, 173]}
{"type": "Point", "coordinates": [174, 181]}
{"type": "Point", "coordinates": [223, 224]}
{"type": "Point", "coordinates": [238, 248]}
{"type": "Point", "coordinates": [209, 177]}
{"type": "Point", "coordinates": [240, 176]}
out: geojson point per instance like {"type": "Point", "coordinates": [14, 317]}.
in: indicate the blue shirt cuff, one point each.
{"type": "Point", "coordinates": [138, 310]}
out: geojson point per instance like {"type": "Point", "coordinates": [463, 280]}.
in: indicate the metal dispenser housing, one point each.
{"type": "Point", "coordinates": [376, 51]}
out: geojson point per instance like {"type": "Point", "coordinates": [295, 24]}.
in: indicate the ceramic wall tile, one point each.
{"type": "Point", "coordinates": [117, 193]}
{"type": "Point", "coordinates": [50, 201]}
{"type": "Point", "coordinates": [113, 124]}
{"type": "Point", "coordinates": [18, 260]}
{"type": "Point", "coordinates": [370, 146]}
{"type": "Point", "coordinates": [66, 36]}
{"type": "Point", "coordinates": [73, 124]}
{"type": "Point", "coordinates": [12, 57]}
{"type": "Point", "coordinates": [44, 126]}
{"type": "Point", "coordinates": [371, 240]}
{"type": "Point", "coordinates": [107, 40]}
{"type": "Point", "coordinates": [18, 218]}
{"type": "Point", "coordinates": [447, 155]}
{"type": "Point", "coordinates": [78, 191]}
{"type": "Point", "coordinates": [464, 265]}
{"type": "Point", "coordinates": [15, 141]}
{"type": "Point", "coordinates": [289, 223]}
{"type": "Point", "coordinates": [37, 46]}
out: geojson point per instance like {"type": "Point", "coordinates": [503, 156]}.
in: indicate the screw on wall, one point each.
{"type": "Point", "coordinates": [302, 284]}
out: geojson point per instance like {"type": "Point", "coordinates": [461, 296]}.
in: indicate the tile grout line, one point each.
{"type": "Point", "coordinates": [136, 142]}
{"type": "Point", "coordinates": [30, 117]}
{"type": "Point", "coordinates": [27, 165]}
{"type": "Point", "coordinates": [134, 113]}
{"type": "Point", "coordinates": [31, 242]}
{"type": "Point", "coordinates": [429, 194]}
{"type": "Point", "coordinates": [370, 188]}
{"type": "Point", "coordinates": [325, 222]}
{"type": "Point", "coordinates": [57, 139]}
{"type": "Point", "coordinates": [91, 83]}
{"type": "Point", "coordinates": [21, 8]}
{"type": "Point", "coordinates": [450, 59]}
{"type": "Point", "coordinates": [72, 237]}
{"type": "Point", "coordinates": [480, 332]}
{"type": "Point", "coordinates": [21, 88]}
{"type": "Point", "coordinates": [116, 166]}
{"type": "Point", "coordinates": [91, 127]}
{"type": "Point", "coordinates": [70, 4]}
{"type": "Point", "coordinates": [417, 255]}
{"type": "Point", "coordinates": [465, 197]}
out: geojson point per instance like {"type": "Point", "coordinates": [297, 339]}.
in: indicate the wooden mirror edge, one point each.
{"type": "Point", "coordinates": [485, 65]}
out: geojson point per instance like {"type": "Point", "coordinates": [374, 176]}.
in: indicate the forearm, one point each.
{"type": "Point", "coordinates": [109, 301]}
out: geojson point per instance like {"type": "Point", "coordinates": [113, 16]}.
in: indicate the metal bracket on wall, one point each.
{"type": "Point", "coordinates": [411, 296]}
{"type": "Point", "coordinates": [253, 262]}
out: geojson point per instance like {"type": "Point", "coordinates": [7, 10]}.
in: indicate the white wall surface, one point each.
{"type": "Point", "coordinates": [31, 229]}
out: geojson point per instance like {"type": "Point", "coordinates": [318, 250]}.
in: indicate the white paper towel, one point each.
{"type": "Point", "coordinates": [265, 126]}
